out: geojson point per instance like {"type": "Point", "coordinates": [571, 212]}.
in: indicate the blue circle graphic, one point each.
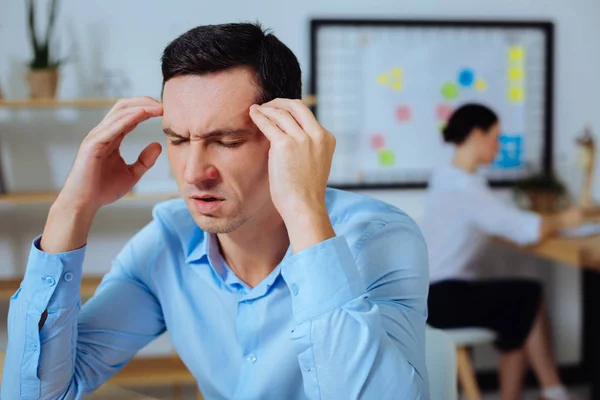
{"type": "Point", "coordinates": [466, 77]}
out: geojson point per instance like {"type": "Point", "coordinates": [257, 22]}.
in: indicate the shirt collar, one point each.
{"type": "Point", "coordinates": [203, 246]}
{"type": "Point", "coordinates": [198, 245]}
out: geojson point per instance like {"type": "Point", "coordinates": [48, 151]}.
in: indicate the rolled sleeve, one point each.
{"type": "Point", "coordinates": [322, 278]}
{"type": "Point", "coordinates": [52, 280]}
{"type": "Point", "coordinates": [496, 217]}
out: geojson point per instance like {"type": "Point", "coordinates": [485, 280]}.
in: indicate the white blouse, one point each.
{"type": "Point", "coordinates": [461, 215]}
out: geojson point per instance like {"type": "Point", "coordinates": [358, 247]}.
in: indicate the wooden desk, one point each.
{"type": "Point", "coordinates": [582, 253]}
{"type": "Point", "coordinates": [105, 392]}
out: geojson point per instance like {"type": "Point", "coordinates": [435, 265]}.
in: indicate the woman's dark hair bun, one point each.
{"type": "Point", "coordinates": [466, 118]}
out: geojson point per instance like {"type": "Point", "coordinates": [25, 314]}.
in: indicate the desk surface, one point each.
{"type": "Point", "coordinates": [105, 392]}
{"type": "Point", "coordinates": [579, 252]}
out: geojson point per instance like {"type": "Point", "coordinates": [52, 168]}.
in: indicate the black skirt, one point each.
{"type": "Point", "coordinates": [507, 307]}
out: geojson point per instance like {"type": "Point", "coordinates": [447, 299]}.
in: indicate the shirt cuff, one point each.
{"type": "Point", "coordinates": [52, 280]}
{"type": "Point", "coordinates": [322, 278]}
{"type": "Point", "coordinates": [533, 229]}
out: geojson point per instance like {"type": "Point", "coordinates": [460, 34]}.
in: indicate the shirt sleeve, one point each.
{"type": "Point", "coordinates": [495, 217]}
{"type": "Point", "coordinates": [360, 317]}
{"type": "Point", "coordinates": [76, 350]}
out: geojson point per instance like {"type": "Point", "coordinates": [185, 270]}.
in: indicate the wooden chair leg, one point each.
{"type": "Point", "coordinates": [466, 374]}
{"type": "Point", "coordinates": [177, 391]}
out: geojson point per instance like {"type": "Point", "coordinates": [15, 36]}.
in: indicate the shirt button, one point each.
{"type": "Point", "coordinates": [251, 358]}
{"type": "Point", "coordinates": [49, 280]}
{"type": "Point", "coordinates": [68, 277]}
{"type": "Point", "coordinates": [294, 289]}
{"type": "Point", "coordinates": [306, 368]}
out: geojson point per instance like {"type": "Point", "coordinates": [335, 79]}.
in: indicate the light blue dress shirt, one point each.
{"type": "Point", "coordinates": [344, 319]}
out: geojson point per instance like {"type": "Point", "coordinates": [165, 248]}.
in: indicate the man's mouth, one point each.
{"type": "Point", "coordinates": [207, 204]}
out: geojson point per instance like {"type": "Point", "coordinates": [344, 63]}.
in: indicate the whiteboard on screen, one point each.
{"type": "Point", "coordinates": [387, 89]}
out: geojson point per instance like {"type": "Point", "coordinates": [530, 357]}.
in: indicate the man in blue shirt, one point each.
{"type": "Point", "coordinates": [270, 285]}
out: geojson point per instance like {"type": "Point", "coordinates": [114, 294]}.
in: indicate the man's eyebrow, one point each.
{"type": "Point", "coordinates": [169, 132]}
{"type": "Point", "coordinates": [211, 134]}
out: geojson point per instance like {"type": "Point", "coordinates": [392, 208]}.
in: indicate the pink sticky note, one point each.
{"type": "Point", "coordinates": [403, 113]}
{"type": "Point", "coordinates": [444, 111]}
{"type": "Point", "coordinates": [377, 141]}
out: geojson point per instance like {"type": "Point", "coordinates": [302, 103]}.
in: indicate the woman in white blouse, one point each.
{"type": "Point", "coordinates": [461, 215]}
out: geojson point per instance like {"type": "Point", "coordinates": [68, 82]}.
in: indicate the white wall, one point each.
{"type": "Point", "coordinates": [131, 35]}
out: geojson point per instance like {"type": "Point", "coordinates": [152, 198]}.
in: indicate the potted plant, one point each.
{"type": "Point", "coordinates": [543, 193]}
{"type": "Point", "coordinates": [43, 68]}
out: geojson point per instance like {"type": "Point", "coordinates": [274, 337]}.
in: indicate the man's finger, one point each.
{"type": "Point", "coordinates": [125, 122]}
{"type": "Point", "coordinates": [145, 161]}
{"type": "Point", "coordinates": [125, 103]}
{"type": "Point", "coordinates": [113, 116]}
{"type": "Point", "coordinates": [300, 112]}
{"type": "Point", "coordinates": [266, 126]}
{"type": "Point", "coordinates": [284, 120]}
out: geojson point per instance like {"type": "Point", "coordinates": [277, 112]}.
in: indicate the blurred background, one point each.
{"type": "Point", "coordinates": [112, 49]}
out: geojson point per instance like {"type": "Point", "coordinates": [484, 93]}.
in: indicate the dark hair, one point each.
{"type": "Point", "coordinates": [212, 48]}
{"type": "Point", "coordinates": [465, 119]}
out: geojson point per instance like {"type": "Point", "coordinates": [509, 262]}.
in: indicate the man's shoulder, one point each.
{"type": "Point", "coordinates": [357, 213]}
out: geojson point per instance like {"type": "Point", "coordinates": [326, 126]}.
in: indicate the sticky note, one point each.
{"type": "Point", "coordinates": [516, 53]}
{"type": "Point", "coordinates": [383, 79]}
{"type": "Point", "coordinates": [377, 141]}
{"type": "Point", "coordinates": [403, 113]}
{"type": "Point", "coordinates": [516, 95]}
{"type": "Point", "coordinates": [443, 112]}
{"type": "Point", "coordinates": [480, 85]}
{"type": "Point", "coordinates": [511, 151]}
{"type": "Point", "coordinates": [397, 72]}
{"type": "Point", "coordinates": [466, 77]}
{"type": "Point", "coordinates": [443, 126]}
{"type": "Point", "coordinates": [386, 157]}
{"type": "Point", "coordinates": [515, 74]}
{"type": "Point", "coordinates": [450, 91]}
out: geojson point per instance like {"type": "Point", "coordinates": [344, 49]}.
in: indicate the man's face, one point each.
{"type": "Point", "coordinates": [217, 154]}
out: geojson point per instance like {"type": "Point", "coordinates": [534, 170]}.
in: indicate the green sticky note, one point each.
{"type": "Point", "coordinates": [443, 126]}
{"type": "Point", "coordinates": [450, 91]}
{"type": "Point", "coordinates": [386, 157]}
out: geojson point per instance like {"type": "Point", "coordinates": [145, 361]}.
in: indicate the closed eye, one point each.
{"type": "Point", "coordinates": [229, 144]}
{"type": "Point", "coordinates": [177, 142]}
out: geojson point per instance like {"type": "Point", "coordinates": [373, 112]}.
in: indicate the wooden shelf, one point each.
{"type": "Point", "coordinates": [49, 197]}
{"type": "Point", "coordinates": [57, 103]}
{"type": "Point", "coordinates": [8, 287]}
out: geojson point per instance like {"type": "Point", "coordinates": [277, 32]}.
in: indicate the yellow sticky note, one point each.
{"type": "Point", "coordinates": [397, 86]}
{"type": "Point", "coordinates": [516, 53]}
{"type": "Point", "coordinates": [516, 95]}
{"type": "Point", "coordinates": [515, 74]}
{"type": "Point", "coordinates": [383, 79]}
{"type": "Point", "coordinates": [480, 85]}
{"type": "Point", "coordinates": [397, 72]}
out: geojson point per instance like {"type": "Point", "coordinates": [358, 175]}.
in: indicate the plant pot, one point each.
{"type": "Point", "coordinates": [42, 83]}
